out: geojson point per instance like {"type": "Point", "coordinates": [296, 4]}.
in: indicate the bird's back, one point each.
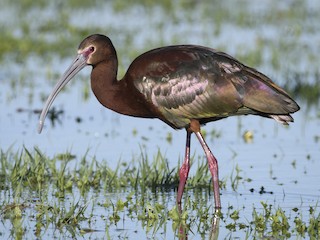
{"type": "Point", "coordinates": [193, 82]}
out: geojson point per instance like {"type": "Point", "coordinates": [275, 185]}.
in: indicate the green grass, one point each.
{"type": "Point", "coordinates": [49, 193]}
{"type": "Point", "coordinates": [35, 171]}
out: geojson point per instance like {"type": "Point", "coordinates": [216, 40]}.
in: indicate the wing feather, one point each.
{"type": "Point", "coordinates": [193, 82]}
{"type": "Point", "coordinates": [181, 98]}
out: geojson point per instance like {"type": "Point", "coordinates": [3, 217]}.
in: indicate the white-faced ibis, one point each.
{"type": "Point", "coordinates": [185, 86]}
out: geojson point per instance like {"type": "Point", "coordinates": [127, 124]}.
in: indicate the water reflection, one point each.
{"type": "Point", "coordinates": [214, 233]}
{"type": "Point", "coordinates": [184, 230]}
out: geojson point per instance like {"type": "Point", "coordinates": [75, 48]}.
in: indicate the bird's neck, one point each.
{"type": "Point", "coordinates": [119, 96]}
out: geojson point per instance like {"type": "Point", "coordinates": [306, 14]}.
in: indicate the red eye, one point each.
{"type": "Point", "coordinates": [91, 49]}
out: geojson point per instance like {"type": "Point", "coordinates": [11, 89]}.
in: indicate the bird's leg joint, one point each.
{"type": "Point", "coordinates": [194, 126]}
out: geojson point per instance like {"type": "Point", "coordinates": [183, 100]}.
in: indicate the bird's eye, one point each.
{"type": "Point", "coordinates": [91, 49]}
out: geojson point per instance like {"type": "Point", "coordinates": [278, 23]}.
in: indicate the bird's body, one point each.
{"type": "Point", "coordinates": [184, 82]}
{"type": "Point", "coordinates": [184, 86]}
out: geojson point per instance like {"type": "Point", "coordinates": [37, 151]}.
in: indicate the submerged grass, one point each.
{"type": "Point", "coordinates": [39, 194]}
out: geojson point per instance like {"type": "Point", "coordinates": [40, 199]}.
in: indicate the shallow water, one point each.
{"type": "Point", "coordinates": [284, 160]}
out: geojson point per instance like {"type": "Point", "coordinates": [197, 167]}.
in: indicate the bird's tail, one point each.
{"type": "Point", "coordinates": [264, 96]}
{"type": "Point", "coordinates": [283, 119]}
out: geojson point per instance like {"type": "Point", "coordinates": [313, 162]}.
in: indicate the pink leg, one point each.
{"type": "Point", "coordinates": [184, 170]}
{"type": "Point", "coordinates": [213, 167]}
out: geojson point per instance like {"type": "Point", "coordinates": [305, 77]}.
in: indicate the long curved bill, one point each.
{"type": "Point", "coordinates": [76, 66]}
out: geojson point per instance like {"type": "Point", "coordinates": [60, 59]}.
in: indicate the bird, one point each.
{"type": "Point", "coordinates": [185, 86]}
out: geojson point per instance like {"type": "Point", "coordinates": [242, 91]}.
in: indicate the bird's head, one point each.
{"type": "Point", "coordinates": [92, 50]}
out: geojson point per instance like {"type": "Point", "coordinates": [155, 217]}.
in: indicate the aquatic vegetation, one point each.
{"type": "Point", "coordinates": [42, 192]}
